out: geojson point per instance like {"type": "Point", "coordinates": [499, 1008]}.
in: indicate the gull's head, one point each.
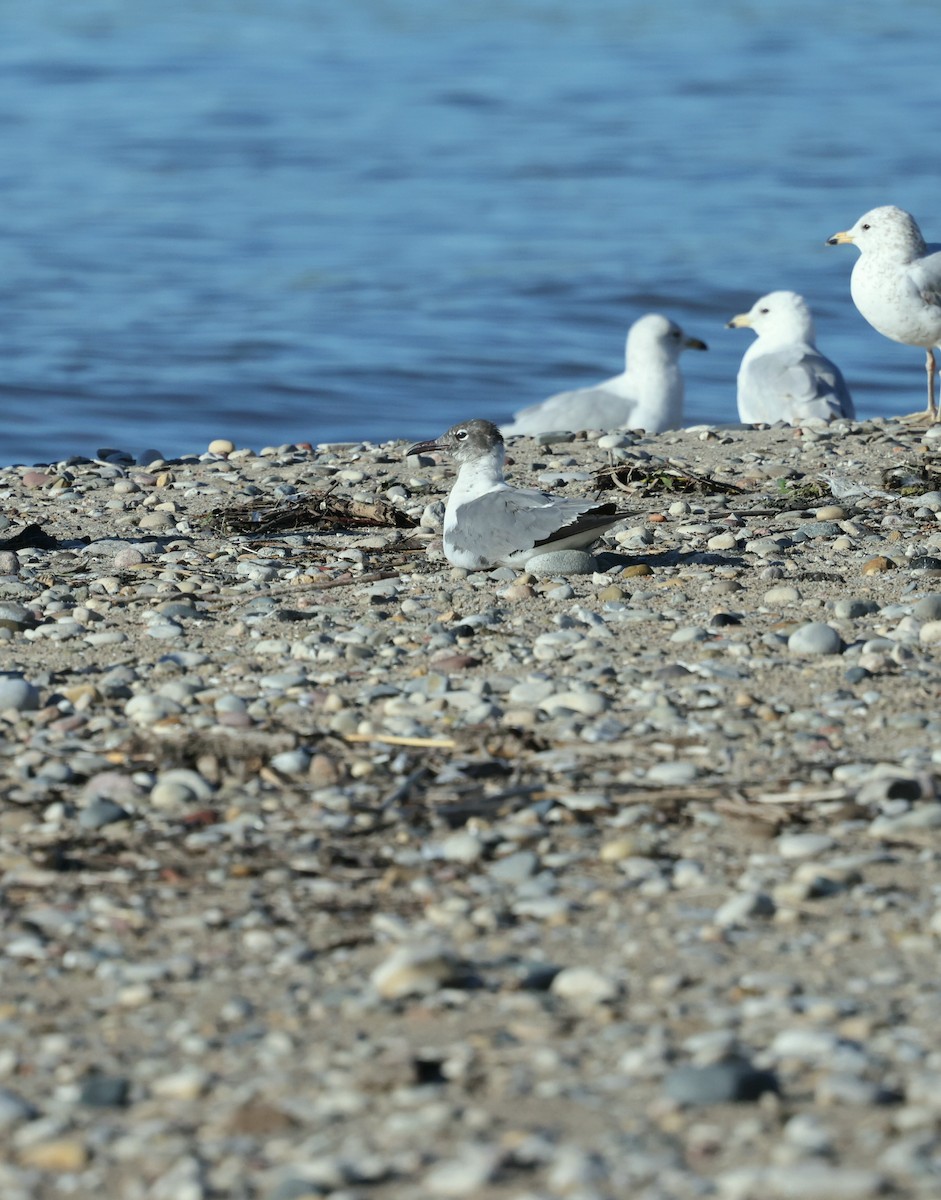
{"type": "Point", "coordinates": [886, 230]}
{"type": "Point", "coordinates": [656, 334]}
{"type": "Point", "coordinates": [783, 316]}
{"type": "Point", "coordinates": [466, 442]}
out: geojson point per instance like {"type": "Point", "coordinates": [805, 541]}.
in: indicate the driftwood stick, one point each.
{"type": "Point", "coordinates": [391, 739]}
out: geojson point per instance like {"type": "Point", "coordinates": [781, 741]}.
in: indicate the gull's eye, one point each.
{"type": "Point", "coordinates": [867, 226]}
{"type": "Point", "coordinates": [460, 434]}
{"type": "Point", "coordinates": [764, 311]}
{"type": "Point", "coordinates": [674, 333]}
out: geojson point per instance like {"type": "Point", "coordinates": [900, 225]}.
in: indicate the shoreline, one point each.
{"type": "Point", "coordinates": [326, 864]}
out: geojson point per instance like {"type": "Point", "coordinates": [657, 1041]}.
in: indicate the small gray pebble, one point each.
{"type": "Point", "coordinates": [561, 562]}
{"type": "Point", "coordinates": [18, 693]}
{"type": "Point", "coordinates": [815, 529]}
{"type": "Point", "coordinates": [842, 1088]}
{"type": "Point", "coordinates": [550, 437]}
{"type": "Point", "coordinates": [105, 1091]}
{"type": "Point", "coordinates": [851, 607]}
{"type": "Point", "coordinates": [432, 516]}
{"type": "Point", "coordinates": [924, 816]}
{"type": "Point", "coordinates": [672, 773]}
{"type": "Point", "coordinates": [767, 547]}
{"type": "Point", "coordinates": [784, 594]}
{"type": "Point", "coordinates": [584, 987]}
{"type": "Point", "coordinates": [14, 616]}
{"type": "Point", "coordinates": [733, 1081]}
{"type": "Point", "coordinates": [187, 780]}
{"type": "Point", "coordinates": [803, 845]}
{"type": "Point", "coordinates": [101, 812]}
{"type": "Point", "coordinates": [461, 847]}
{"type": "Point", "coordinates": [741, 907]}
{"type": "Point", "coordinates": [690, 633]}
{"type": "Point", "coordinates": [111, 455]}
{"type": "Point", "coordinates": [296, 1189]}
{"type": "Point", "coordinates": [797, 1181]}
{"type": "Point", "coordinates": [128, 556]}
{"type": "Point", "coordinates": [14, 1109]}
{"type": "Point", "coordinates": [174, 609]}
{"type": "Point", "coordinates": [291, 762]}
{"type": "Point", "coordinates": [928, 608]}
{"type": "Point", "coordinates": [514, 868]}
{"type": "Point", "coordinates": [164, 630]}
{"type": "Point", "coordinates": [816, 637]}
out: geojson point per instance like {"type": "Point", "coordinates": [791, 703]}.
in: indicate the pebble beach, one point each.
{"type": "Point", "coordinates": [328, 870]}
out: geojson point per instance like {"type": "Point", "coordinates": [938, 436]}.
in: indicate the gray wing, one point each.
{"type": "Point", "coordinates": [794, 383]}
{"type": "Point", "coordinates": [501, 524]}
{"type": "Point", "coordinates": [584, 408]}
{"type": "Point", "coordinates": [926, 275]}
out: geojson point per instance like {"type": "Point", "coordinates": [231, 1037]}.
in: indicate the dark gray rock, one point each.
{"type": "Point", "coordinates": [734, 1080]}
{"type": "Point", "coordinates": [105, 1091]}
{"type": "Point", "coordinates": [101, 812]}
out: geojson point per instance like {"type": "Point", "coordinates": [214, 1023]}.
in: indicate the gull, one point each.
{"type": "Point", "coordinates": [648, 394]}
{"type": "Point", "coordinates": [783, 376]}
{"type": "Point", "coordinates": [896, 282]}
{"type": "Point", "coordinates": [488, 523]}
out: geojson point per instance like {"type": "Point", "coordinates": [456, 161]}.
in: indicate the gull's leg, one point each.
{"type": "Point", "coordinates": [931, 415]}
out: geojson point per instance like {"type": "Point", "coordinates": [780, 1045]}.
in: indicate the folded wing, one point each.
{"type": "Point", "coordinates": [505, 526]}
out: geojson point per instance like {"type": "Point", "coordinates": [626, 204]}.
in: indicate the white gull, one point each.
{"type": "Point", "coordinates": [783, 376]}
{"type": "Point", "coordinates": [896, 282]}
{"type": "Point", "coordinates": [648, 394]}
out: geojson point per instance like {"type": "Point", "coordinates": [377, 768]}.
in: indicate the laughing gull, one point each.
{"type": "Point", "coordinates": [488, 523]}
{"type": "Point", "coordinates": [648, 394]}
{"type": "Point", "coordinates": [896, 282]}
{"type": "Point", "coordinates": [783, 376]}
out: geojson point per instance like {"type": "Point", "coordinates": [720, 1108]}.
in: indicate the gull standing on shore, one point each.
{"type": "Point", "coordinates": [896, 283]}
{"type": "Point", "coordinates": [783, 376]}
{"type": "Point", "coordinates": [488, 523]}
{"type": "Point", "coordinates": [648, 394]}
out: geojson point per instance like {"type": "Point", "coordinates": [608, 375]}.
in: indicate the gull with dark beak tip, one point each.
{"type": "Point", "coordinates": [783, 376]}
{"type": "Point", "coordinates": [648, 394]}
{"type": "Point", "coordinates": [896, 283]}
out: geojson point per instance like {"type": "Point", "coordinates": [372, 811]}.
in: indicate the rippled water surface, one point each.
{"type": "Point", "coordinates": [295, 220]}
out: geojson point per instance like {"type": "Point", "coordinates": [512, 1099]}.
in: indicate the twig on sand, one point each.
{"type": "Point", "coordinates": [346, 578]}
{"type": "Point", "coordinates": [392, 739]}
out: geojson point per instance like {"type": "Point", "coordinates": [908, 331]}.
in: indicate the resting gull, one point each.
{"type": "Point", "coordinates": [647, 395]}
{"type": "Point", "coordinates": [783, 376]}
{"type": "Point", "coordinates": [488, 523]}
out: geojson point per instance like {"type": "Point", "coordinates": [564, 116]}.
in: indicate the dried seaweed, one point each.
{"type": "Point", "coordinates": [655, 477]}
{"type": "Point", "coordinates": [319, 512]}
{"type": "Point", "coordinates": [798, 493]}
{"type": "Point", "coordinates": [912, 479]}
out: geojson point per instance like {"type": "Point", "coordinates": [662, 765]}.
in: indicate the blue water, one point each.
{"type": "Point", "coordinates": [308, 220]}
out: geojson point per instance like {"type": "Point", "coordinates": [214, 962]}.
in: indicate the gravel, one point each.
{"type": "Point", "coordinates": [329, 870]}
